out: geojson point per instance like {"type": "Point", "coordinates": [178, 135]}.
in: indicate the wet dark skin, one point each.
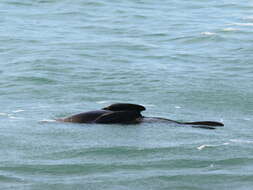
{"type": "Point", "coordinates": [124, 113]}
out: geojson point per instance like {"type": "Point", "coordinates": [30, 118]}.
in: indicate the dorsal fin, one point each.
{"type": "Point", "coordinates": [125, 107]}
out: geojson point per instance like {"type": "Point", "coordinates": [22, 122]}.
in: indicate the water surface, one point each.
{"type": "Point", "coordinates": [184, 60]}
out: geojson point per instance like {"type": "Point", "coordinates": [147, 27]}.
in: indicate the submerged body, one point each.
{"type": "Point", "coordinates": [128, 114]}
{"type": "Point", "coordinates": [86, 117]}
{"type": "Point", "coordinates": [105, 117]}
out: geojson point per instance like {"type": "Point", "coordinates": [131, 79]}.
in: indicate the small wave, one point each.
{"type": "Point", "coordinates": [17, 111]}
{"type": "Point", "coordinates": [17, 3]}
{"type": "Point", "coordinates": [230, 29]}
{"type": "Point", "coordinates": [149, 105]}
{"type": "Point", "coordinates": [3, 114]}
{"type": "Point", "coordinates": [241, 141]}
{"type": "Point", "coordinates": [47, 121]}
{"type": "Point", "coordinates": [37, 80]}
{"type": "Point", "coordinates": [112, 152]}
{"type": "Point", "coordinates": [248, 18]}
{"type": "Point", "coordinates": [205, 146]}
{"type": "Point", "coordinates": [201, 147]}
{"type": "Point", "coordinates": [208, 33]}
{"type": "Point", "coordinates": [11, 179]}
{"type": "Point", "coordinates": [210, 145]}
{"type": "Point", "coordinates": [10, 116]}
{"type": "Point", "coordinates": [242, 24]}
{"type": "Point", "coordinates": [103, 102]}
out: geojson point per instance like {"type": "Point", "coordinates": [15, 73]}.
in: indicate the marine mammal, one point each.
{"type": "Point", "coordinates": [125, 113]}
{"type": "Point", "coordinates": [121, 113]}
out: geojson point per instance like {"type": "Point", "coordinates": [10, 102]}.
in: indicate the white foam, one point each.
{"type": "Point", "coordinates": [242, 24]}
{"type": "Point", "coordinates": [230, 29]}
{"type": "Point", "coordinates": [177, 107]}
{"type": "Point", "coordinates": [208, 33]}
{"type": "Point", "coordinates": [47, 121]}
{"type": "Point", "coordinates": [17, 111]}
{"type": "Point", "coordinates": [241, 141]}
{"type": "Point", "coordinates": [248, 18]}
{"type": "Point", "coordinates": [204, 146]}
{"type": "Point", "coordinates": [209, 145]}
{"type": "Point", "coordinates": [103, 102]}
{"type": "Point", "coordinates": [149, 105]}
{"type": "Point", "coordinates": [12, 117]}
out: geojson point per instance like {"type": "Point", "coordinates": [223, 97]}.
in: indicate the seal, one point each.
{"type": "Point", "coordinates": [125, 113]}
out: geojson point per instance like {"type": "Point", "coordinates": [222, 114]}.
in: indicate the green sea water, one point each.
{"type": "Point", "coordinates": [183, 60]}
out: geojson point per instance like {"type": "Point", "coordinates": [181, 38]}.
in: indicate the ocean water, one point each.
{"type": "Point", "coordinates": [184, 60]}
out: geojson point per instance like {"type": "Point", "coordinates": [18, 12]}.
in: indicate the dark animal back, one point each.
{"type": "Point", "coordinates": [86, 117]}
{"type": "Point", "coordinates": [120, 117]}
{"type": "Point", "coordinates": [125, 107]}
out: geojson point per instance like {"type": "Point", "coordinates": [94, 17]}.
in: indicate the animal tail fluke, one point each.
{"type": "Point", "coordinates": [208, 123]}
